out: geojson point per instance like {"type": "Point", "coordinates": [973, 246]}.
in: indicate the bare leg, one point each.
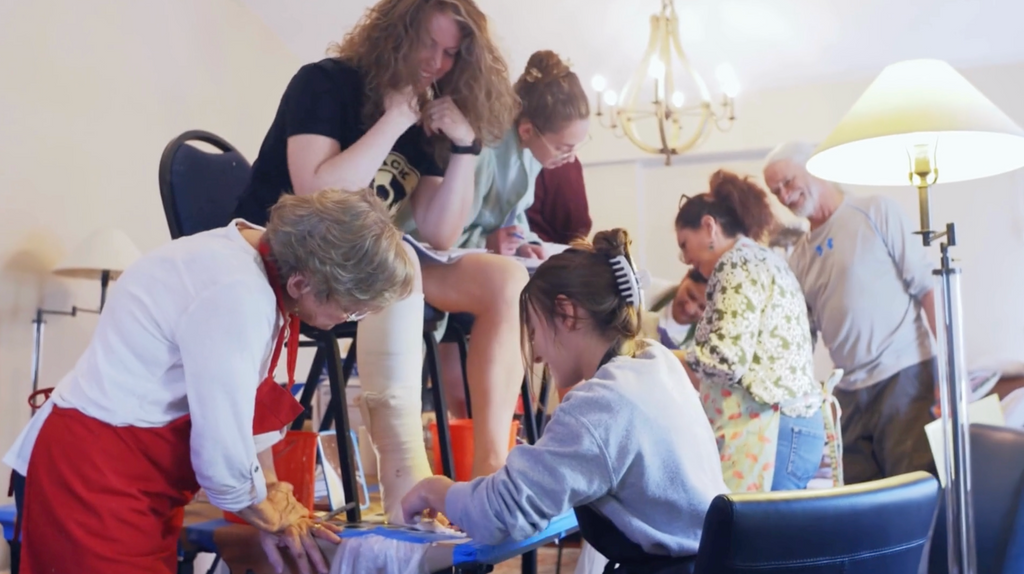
{"type": "Point", "coordinates": [488, 286]}
{"type": "Point", "coordinates": [390, 359]}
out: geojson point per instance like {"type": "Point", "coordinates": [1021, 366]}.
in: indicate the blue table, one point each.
{"type": "Point", "coordinates": [7, 515]}
{"type": "Point", "coordinates": [467, 557]}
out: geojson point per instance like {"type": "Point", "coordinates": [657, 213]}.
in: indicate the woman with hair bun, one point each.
{"type": "Point", "coordinates": [752, 351]}
{"type": "Point", "coordinates": [553, 120]}
{"type": "Point", "coordinates": [629, 448]}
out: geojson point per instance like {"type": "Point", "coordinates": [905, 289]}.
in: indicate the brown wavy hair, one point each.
{"type": "Point", "coordinates": [551, 94]}
{"type": "Point", "coordinates": [739, 206]}
{"type": "Point", "coordinates": [383, 46]}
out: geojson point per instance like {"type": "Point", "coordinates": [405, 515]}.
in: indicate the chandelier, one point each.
{"type": "Point", "coordinates": [669, 124]}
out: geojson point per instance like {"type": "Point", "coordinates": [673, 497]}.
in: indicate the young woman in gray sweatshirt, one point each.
{"type": "Point", "coordinates": [629, 448]}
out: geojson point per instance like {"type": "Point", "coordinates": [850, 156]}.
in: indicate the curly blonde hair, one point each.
{"type": "Point", "coordinates": [383, 46]}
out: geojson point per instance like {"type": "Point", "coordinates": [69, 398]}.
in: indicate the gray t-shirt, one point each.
{"type": "Point", "coordinates": [863, 274]}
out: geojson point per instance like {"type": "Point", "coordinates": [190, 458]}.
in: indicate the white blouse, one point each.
{"type": "Point", "coordinates": [187, 329]}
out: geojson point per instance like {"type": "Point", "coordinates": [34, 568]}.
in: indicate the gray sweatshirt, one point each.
{"type": "Point", "coordinates": [634, 441]}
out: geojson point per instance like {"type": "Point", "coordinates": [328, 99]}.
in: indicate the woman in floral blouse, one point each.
{"type": "Point", "coordinates": [752, 352]}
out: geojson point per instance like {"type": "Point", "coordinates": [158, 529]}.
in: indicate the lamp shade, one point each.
{"type": "Point", "coordinates": [914, 103]}
{"type": "Point", "coordinates": [105, 250]}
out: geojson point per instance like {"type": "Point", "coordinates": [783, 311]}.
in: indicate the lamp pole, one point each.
{"type": "Point", "coordinates": [953, 392]}
{"type": "Point", "coordinates": [39, 321]}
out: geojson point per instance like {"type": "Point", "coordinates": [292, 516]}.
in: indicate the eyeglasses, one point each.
{"type": "Point", "coordinates": [560, 155]}
{"type": "Point", "coordinates": [356, 316]}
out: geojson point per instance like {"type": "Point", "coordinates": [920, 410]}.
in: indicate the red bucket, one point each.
{"type": "Point", "coordinates": [460, 434]}
{"type": "Point", "coordinates": [295, 463]}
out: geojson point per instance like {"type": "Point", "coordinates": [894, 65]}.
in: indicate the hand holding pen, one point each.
{"type": "Point", "coordinates": [506, 240]}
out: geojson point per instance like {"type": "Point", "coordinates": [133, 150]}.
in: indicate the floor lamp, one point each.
{"type": "Point", "coordinates": [103, 256]}
{"type": "Point", "coordinates": [921, 121]}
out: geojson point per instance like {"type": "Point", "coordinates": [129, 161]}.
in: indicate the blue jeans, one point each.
{"type": "Point", "coordinates": [800, 447]}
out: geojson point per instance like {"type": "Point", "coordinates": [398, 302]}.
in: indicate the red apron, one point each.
{"type": "Point", "coordinates": [106, 499]}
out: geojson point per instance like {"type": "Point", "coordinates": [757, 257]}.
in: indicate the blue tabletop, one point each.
{"type": "Point", "coordinates": [201, 534]}
{"type": "Point", "coordinates": [7, 514]}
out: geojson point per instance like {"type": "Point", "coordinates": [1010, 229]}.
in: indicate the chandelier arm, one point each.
{"type": "Point", "coordinates": [665, 55]}
{"type": "Point", "coordinates": [629, 129]}
{"type": "Point", "coordinates": [702, 87]}
{"type": "Point", "coordinates": [699, 135]}
{"type": "Point", "coordinates": [661, 131]}
{"type": "Point", "coordinates": [632, 89]}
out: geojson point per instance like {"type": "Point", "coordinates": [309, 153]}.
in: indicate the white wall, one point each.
{"type": "Point", "coordinates": [90, 93]}
{"type": "Point", "coordinates": [628, 188]}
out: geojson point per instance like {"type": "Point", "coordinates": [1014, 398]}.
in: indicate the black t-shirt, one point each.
{"type": "Point", "coordinates": [326, 98]}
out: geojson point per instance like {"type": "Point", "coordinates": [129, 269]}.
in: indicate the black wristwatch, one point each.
{"type": "Point", "coordinates": [472, 149]}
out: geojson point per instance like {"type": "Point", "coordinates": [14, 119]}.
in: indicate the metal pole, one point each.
{"type": "Point", "coordinates": [37, 348]}
{"type": "Point", "coordinates": [955, 420]}
{"type": "Point", "coordinates": [104, 282]}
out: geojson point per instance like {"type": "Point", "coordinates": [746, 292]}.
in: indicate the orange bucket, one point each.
{"type": "Point", "coordinates": [460, 434]}
{"type": "Point", "coordinates": [295, 463]}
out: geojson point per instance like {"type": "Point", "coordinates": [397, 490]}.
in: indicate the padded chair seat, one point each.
{"type": "Point", "coordinates": [879, 527]}
{"type": "Point", "coordinates": [997, 484]}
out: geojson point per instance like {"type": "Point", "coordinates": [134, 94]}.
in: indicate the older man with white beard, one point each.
{"type": "Point", "coordinates": [866, 280]}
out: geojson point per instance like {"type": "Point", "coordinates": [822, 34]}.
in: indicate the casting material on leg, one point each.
{"type": "Point", "coordinates": [390, 360]}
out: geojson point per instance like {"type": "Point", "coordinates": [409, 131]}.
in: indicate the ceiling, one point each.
{"type": "Point", "coordinates": [768, 42]}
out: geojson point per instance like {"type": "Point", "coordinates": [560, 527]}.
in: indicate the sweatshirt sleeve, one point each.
{"type": "Point", "coordinates": [568, 467]}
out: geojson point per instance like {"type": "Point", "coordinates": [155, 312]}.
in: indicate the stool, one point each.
{"type": "Point", "coordinates": [328, 354]}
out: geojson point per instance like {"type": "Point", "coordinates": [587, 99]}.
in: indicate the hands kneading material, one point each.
{"type": "Point", "coordinates": [382, 554]}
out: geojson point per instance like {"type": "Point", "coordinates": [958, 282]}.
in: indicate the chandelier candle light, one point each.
{"type": "Point", "coordinates": [678, 126]}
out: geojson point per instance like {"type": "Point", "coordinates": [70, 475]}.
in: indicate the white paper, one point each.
{"type": "Point", "coordinates": [329, 471]}
{"type": "Point", "coordinates": [987, 411]}
{"type": "Point", "coordinates": [446, 256]}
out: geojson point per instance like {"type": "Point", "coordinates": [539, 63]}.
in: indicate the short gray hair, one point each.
{"type": "Point", "coordinates": [795, 151]}
{"type": "Point", "coordinates": [344, 244]}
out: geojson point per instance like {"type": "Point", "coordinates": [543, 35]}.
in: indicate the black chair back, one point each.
{"type": "Point", "coordinates": [879, 527]}
{"type": "Point", "coordinates": [997, 485]}
{"type": "Point", "coordinates": [200, 189]}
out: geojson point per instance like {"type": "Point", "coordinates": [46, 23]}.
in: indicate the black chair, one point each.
{"type": "Point", "coordinates": [997, 486]}
{"type": "Point", "coordinates": [879, 527]}
{"type": "Point", "coordinates": [200, 190]}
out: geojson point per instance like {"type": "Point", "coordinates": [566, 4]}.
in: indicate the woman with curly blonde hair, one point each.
{"type": "Point", "coordinates": [405, 103]}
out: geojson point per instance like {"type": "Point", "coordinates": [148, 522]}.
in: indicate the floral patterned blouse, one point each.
{"type": "Point", "coordinates": [755, 332]}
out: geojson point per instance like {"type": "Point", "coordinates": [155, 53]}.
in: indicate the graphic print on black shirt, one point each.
{"type": "Point", "coordinates": [395, 181]}
{"type": "Point", "coordinates": [326, 98]}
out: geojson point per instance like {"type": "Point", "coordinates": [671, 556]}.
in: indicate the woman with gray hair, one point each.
{"type": "Point", "coordinates": [176, 390]}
